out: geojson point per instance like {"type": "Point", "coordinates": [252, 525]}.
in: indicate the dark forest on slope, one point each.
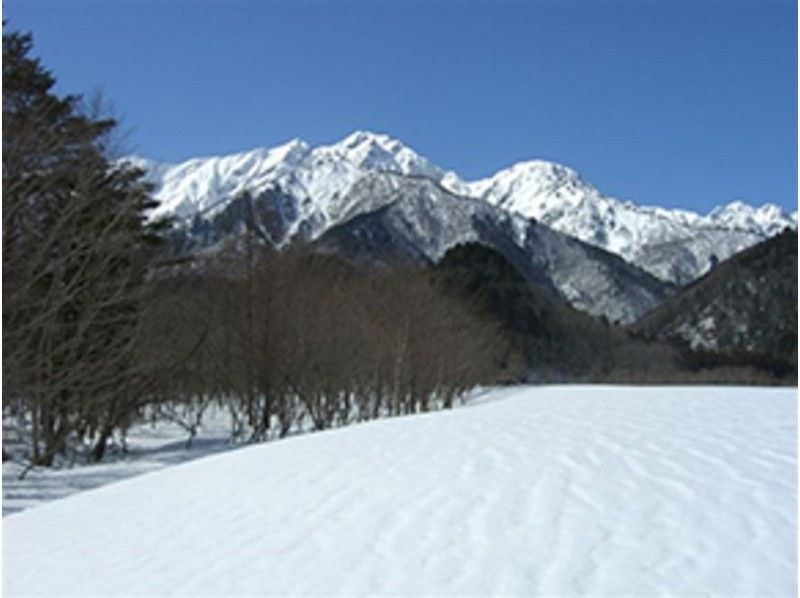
{"type": "Point", "coordinates": [563, 344]}
{"type": "Point", "coordinates": [744, 312]}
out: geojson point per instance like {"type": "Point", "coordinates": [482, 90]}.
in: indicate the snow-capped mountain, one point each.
{"type": "Point", "coordinates": [316, 177]}
{"type": "Point", "coordinates": [415, 220]}
{"type": "Point", "coordinates": [675, 245]}
{"type": "Point", "coordinates": [313, 184]}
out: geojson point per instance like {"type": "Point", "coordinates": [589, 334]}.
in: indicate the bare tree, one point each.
{"type": "Point", "coordinates": [75, 253]}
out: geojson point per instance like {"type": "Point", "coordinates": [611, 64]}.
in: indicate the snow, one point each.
{"type": "Point", "coordinates": [150, 448]}
{"type": "Point", "coordinates": [674, 245]}
{"type": "Point", "coordinates": [768, 217]}
{"type": "Point", "coordinates": [432, 220]}
{"type": "Point", "coordinates": [558, 197]}
{"type": "Point", "coordinates": [579, 491]}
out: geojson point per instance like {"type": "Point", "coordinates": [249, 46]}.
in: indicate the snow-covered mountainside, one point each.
{"type": "Point", "coordinates": [746, 304]}
{"type": "Point", "coordinates": [316, 178]}
{"type": "Point", "coordinates": [674, 245]}
{"type": "Point", "coordinates": [415, 220]}
{"type": "Point", "coordinates": [529, 491]}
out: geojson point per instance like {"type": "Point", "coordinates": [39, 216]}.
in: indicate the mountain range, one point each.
{"type": "Point", "coordinates": [372, 197]}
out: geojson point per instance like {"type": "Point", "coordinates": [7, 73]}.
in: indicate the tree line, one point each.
{"type": "Point", "coordinates": [296, 341]}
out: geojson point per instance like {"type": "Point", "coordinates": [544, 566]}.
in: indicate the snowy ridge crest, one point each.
{"type": "Point", "coordinates": [674, 245]}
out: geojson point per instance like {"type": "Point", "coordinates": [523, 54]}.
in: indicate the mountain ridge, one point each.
{"type": "Point", "coordinates": [675, 245]}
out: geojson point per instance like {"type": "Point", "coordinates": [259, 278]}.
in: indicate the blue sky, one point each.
{"type": "Point", "coordinates": [677, 103]}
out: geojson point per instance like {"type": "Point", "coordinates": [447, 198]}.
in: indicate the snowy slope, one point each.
{"type": "Point", "coordinates": [150, 447]}
{"type": "Point", "coordinates": [393, 216]}
{"type": "Point", "coordinates": [675, 245]}
{"type": "Point", "coordinates": [572, 491]}
{"type": "Point", "coordinates": [316, 177]}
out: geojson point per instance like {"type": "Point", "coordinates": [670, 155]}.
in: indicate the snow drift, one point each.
{"type": "Point", "coordinates": [563, 490]}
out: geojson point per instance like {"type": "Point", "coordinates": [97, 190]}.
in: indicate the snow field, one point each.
{"type": "Point", "coordinates": [579, 491]}
{"type": "Point", "coordinates": [151, 448]}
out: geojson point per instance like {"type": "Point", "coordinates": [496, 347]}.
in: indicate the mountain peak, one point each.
{"type": "Point", "coordinates": [293, 149]}
{"type": "Point", "coordinates": [741, 215]}
{"type": "Point", "coordinates": [293, 144]}
{"type": "Point", "coordinates": [542, 167]}
{"type": "Point", "coordinates": [533, 187]}
{"type": "Point", "coordinates": [379, 152]}
{"type": "Point", "coordinates": [361, 137]}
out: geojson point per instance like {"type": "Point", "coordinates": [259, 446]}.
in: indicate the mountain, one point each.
{"type": "Point", "coordinates": [312, 183]}
{"type": "Point", "coordinates": [413, 220]}
{"type": "Point", "coordinates": [557, 342]}
{"type": "Point", "coordinates": [316, 179]}
{"type": "Point", "coordinates": [674, 245]}
{"type": "Point", "coordinates": [747, 304]}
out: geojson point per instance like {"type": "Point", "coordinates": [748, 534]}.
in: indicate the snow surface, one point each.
{"type": "Point", "coordinates": [150, 448]}
{"type": "Point", "coordinates": [579, 491]}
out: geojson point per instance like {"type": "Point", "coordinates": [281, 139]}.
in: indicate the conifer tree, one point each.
{"type": "Point", "coordinates": [76, 250]}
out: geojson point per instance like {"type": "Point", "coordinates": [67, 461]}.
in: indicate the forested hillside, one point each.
{"type": "Point", "coordinates": [744, 312]}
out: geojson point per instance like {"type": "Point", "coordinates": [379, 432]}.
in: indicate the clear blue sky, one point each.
{"type": "Point", "coordinates": [677, 103]}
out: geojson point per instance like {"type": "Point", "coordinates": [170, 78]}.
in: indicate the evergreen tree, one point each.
{"type": "Point", "coordinates": [76, 250]}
